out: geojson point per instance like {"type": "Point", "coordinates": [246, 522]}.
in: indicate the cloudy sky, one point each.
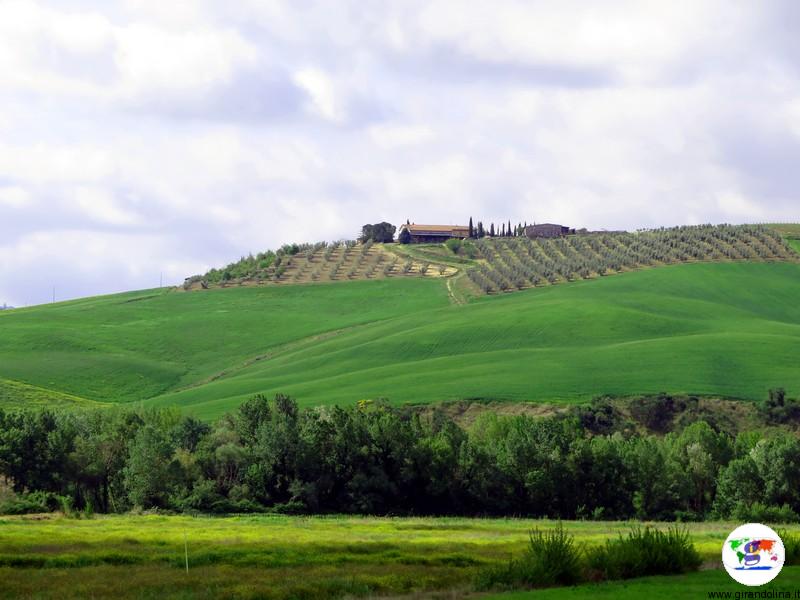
{"type": "Point", "coordinates": [142, 137]}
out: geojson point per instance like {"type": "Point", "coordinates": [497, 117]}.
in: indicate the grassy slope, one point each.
{"type": "Point", "coordinates": [790, 231]}
{"type": "Point", "coordinates": [269, 557]}
{"type": "Point", "coordinates": [730, 329]}
{"type": "Point", "coordinates": [786, 229]}
{"type": "Point", "coordinates": [14, 394]}
{"type": "Point", "coordinates": [137, 345]}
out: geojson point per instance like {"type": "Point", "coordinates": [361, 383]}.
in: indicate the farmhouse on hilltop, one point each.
{"type": "Point", "coordinates": [426, 234]}
{"type": "Point", "coordinates": [547, 230]}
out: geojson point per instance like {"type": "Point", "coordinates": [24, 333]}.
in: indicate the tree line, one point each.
{"type": "Point", "coordinates": [269, 455]}
{"type": "Point", "coordinates": [477, 231]}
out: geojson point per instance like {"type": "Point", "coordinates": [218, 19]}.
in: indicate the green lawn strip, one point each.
{"type": "Point", "coordinates": [693, 586]}
{"type": "Point", "coordinates": [435, 253]}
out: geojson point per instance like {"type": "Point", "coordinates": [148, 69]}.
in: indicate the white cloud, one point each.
{"type": "Point", "coordinates": [322, 91]}
{"type": "Point", "coordinates": [48, 163]}
{"type": "Point", "coordinates": [739, 208]}
{"type": "Point", "coordinates": [391, 136]}
{"type": "Point", "coordinates": [179, 130]}
{"type": "Point", "coordinates": [634, 39]}
{"type": "Point", "coordinates": [151, 60]}
{"type": "Point", "coordinates": [100, 206]}
{"type": "Point", "coordinates": [15, 197]}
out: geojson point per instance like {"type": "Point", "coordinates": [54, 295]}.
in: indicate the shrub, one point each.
{"type": "Point", "coordinates": [454, 245]}
{"type": "Point", "coordinates": [656, 413]}
{"type": "Point", "coordinates": [778, 409]}
{"type": "Point", "coordinates": [644, 552]}
{"type": "Point", "coordinates": [469, 250]}
{"type": "Point", "coordinates": [202, 497]}
{"type": "Point", "coordinates": [33, 502]}
{"type": "Point", "coordinates": [761, 513]}
{"type": "Point", "coordinates": [552, 558]}
{"type": "Point", "coordinates": [289, 249]}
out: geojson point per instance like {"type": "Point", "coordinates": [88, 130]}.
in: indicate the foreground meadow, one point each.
{"type": "Point", "coordinates": [270, 556]}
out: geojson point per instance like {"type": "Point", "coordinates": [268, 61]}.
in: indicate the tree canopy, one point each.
{"type": "Point", "coordinates": [378, 232]}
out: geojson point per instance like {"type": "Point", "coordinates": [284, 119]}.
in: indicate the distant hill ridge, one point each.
{"type": "Point", "coordinates": [503, 264]}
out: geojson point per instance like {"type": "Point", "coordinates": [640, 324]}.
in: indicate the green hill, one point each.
{"type": "Point", "coordinates": [730, 329]}
{"type": "Point", "coordinates": [141, 344]}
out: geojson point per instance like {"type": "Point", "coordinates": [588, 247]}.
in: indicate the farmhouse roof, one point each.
{"type": "Point", "coordinates": [443, 229]}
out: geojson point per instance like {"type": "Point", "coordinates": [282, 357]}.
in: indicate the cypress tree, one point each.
{"type": "Point", "coordinates": [503, 231]}
{"type": "Point", "coordinates": [481, 232]}
{"type": "Point", "coordinates": [491, 230]}
{"type": "Point", "coordinates": [471, 230]}
{"type": "Point", "coordinates": [508, 231]}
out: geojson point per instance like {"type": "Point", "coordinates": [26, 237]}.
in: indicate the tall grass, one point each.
{"type": "Point", "coordinates": [791, 545]}
{"type": "Point", "coordinates": [644, 551]}
{"type": "Point", "coordinates": [552, 558]}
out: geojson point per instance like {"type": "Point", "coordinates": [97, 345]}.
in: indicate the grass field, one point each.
{"type": "Point", "coordinates": [268, 557]}
{"type": "Point", "coordinates": [716, 329]}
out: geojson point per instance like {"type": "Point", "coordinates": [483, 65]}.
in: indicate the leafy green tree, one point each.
{"type": "Point", "coordinates": [271, 468]}
{"type": "Point", "coordinates": [778, 461]}
{"type": "Point", "coordinates": [99, 457]}
{"type": "Point", "coordinates": [190, 432]}
{"type": "Point", "coordinates": [150, 472]}
{"type": "Point", "coordinates": [661, 485]}
{"type": "Point", "coordinates": [404, 237]}
{"type": "Point", "coordinates": [379, 232]}
{"type": "Point", "coordinates": [702, 451]}
{"type": "Point", "coordinates": [739, 484]}
{"type": "Point", "coordinates": [34, 450]}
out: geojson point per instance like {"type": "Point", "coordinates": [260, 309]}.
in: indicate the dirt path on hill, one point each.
{"type": "Point", "coordinates": [454, 299]}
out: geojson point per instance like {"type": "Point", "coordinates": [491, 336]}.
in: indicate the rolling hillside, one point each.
{"type": "Point", "coordinates": [730, 329]}
{"type": "Point", "coordinates": [138, 345]}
